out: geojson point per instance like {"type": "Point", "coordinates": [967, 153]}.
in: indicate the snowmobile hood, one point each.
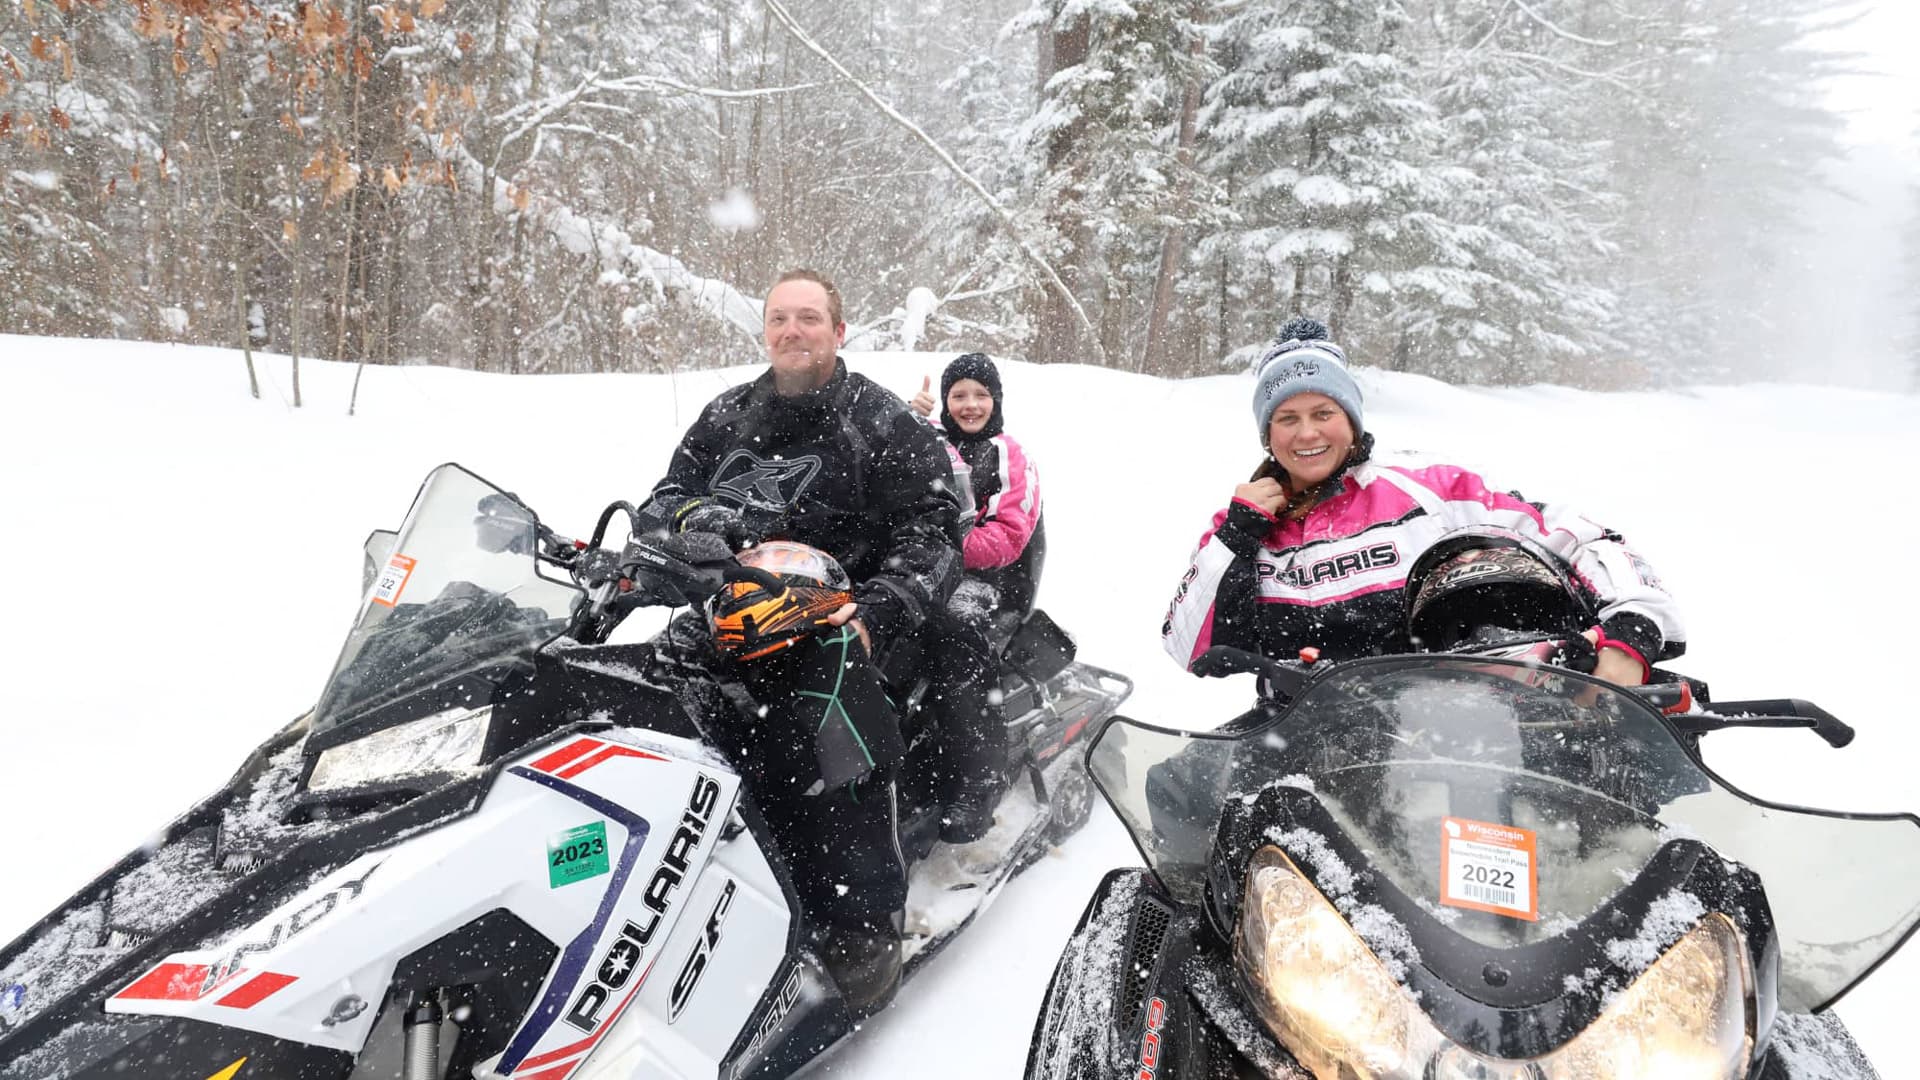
{"type": "Point", "coordinates": [1579, 784]}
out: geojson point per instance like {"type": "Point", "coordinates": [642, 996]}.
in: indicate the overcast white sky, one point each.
{"type": "Point", "coordinates": [1883, 107]}
{"type": "Point", "coordinates": [1853, 299]}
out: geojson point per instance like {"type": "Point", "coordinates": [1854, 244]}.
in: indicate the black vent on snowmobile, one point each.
{"type": "Point", "coordinates": [1150, 924]}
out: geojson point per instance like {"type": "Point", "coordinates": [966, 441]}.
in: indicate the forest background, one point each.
{"type": "Point", "coordinates": [1599, 193]}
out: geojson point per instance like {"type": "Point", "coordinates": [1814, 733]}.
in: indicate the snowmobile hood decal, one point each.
{"type": "Point", "coordinates": [584, 753]}
{"type": "Point", "coordinates": [194, 976]}
{"type": "Point", "coordinates": [573, 961]}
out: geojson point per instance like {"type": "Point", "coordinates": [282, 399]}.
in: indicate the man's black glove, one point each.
{"type": "Point", "coordinates": [708, 516]}
{"type": "Point", "coordinates": [697, 548]}
{"type": "Point", "coordinates": [704, 552]}
{"type": "Point", "coordinates": [886, 611]}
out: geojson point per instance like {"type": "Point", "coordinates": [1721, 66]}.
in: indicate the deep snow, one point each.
{"type": "Point", "coordinates": [186, 561]}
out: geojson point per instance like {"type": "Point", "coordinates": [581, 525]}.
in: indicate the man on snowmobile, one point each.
{"type": "Point", "coordinates": [810, 452]}
{"type": "Point", "coordinates": [1002, 554]}
{"type": "Point", "coordinates": [1315, 549]}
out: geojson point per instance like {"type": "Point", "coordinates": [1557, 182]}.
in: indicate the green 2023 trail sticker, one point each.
{"type": "Point", "coordinates": [577, 854]}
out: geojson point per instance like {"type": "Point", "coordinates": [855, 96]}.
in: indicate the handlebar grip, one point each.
{"type": "Point", "coordinates": [1222, 660]}
{"type": "Point", "coordinates": [1829, 727]}
{"type": "Point", "coordinates": [1277, 680]}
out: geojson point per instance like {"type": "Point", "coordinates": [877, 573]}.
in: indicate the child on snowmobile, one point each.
{"type": "Point", "coordinates": [811, 452]}
{"type": "Point", "coordinates": [1003, 554]}
{"type": "Point", "coordinates": [1315, 548]}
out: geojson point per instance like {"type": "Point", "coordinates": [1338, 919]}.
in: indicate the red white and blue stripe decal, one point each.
{"type": "Point", "coordinates": [584, 753]}
{"type": "Point", "coordinates": [572, 760]}
{"type": "Point", "coordinates": [188, 983]}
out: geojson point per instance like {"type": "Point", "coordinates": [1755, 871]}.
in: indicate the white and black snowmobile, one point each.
{"type": "Point", "coordinates": [1470, 865]}
{"type": "Point", "coordinates": [499, 847]}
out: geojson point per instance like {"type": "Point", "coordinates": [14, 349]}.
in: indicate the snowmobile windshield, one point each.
{"type": "Point", "coordinates": [1516, 801]}
{"type": "Point", "coordinates": [460, 590]}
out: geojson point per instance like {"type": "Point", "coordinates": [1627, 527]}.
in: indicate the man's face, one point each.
{"type": "Point", "coordinates": [802, 338]}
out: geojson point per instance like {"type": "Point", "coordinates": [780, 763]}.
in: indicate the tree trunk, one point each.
{"type": "Point", "coordinates": [1056, 338]}
{"type": "Point", "coordinates": [352, 218]}
{"type": "Point", "coordinates": [1173, 245]}
{"type": "Point", "coordinates": [1342, 298]}
{"type": "Point", "coordinates": [299, 293]}
{"type": "Point", "coordinates": [233, 226]}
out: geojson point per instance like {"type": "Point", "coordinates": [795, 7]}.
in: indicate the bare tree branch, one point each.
{"type": "Point", "coordinates": [1080, 315]}
{"type": "Point", "coordinates": [1607, 77]}
{"type": "Point", "coordinates": [583, 129]}
{"type": "Point", "coordinates": [632, 83]}
{"type": "Point", "coordinates": [1569, 35]}
{"type": "Point", "coordinates": [612, 245]}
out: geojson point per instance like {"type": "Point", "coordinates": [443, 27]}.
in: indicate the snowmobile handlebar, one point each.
{"type": "Point", "coordinates": [643, 573]}
{"type": "Point", "coordinates": [1766, 713]}
{"type": "Point", "coordinates": [1278, 679]}
{"type": "Point", "coordinates": [1282, 680]}
{"type": "Point", "coordinates": [691, 582]}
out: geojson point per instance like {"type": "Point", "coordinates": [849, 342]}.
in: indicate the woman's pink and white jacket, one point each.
{"type": "Point", "coordinates": [1336, 579]}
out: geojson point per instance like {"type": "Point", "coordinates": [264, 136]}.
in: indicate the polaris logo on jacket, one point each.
{"type": "Point", "coordinates": [1336, 568]}
{"type": "Point", "coordinates": [623, 957]}
{"type": "Point", "coordinates": [1336, 577]}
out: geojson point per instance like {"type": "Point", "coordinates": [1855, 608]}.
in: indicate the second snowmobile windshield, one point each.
{"type": "Point", "coordinates": [460, 591]}
{"type": "Point", "coordinates": [1440, 766]}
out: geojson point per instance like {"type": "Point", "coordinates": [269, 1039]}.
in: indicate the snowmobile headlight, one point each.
{"type": "Point", "coordinates": [1318, 986]}
{"type": "Point", "coordinates": [444, 742]}
{"type": "Point", "coordinates": [1687, 1016]}
{"type": "Point", "coordinates": [1332, 1001]}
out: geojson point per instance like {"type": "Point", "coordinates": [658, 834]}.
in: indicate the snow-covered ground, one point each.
{"type": "Point", "coordinates": [185, 560]}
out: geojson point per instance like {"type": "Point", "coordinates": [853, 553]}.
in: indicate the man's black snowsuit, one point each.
{"type": "Point", "coordinates": [848, 469]}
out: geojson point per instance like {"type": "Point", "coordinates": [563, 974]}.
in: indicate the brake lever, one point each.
{"type": "Point", "coordinates": [1277, 679]}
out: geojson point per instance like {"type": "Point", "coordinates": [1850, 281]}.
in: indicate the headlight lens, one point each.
{"type": "Point", "coordinates": [1684, 1017]}
{"type": "Point", "coordinates": [1334, 1004]}
{"type": "Point", "coordinates": [444, 742]}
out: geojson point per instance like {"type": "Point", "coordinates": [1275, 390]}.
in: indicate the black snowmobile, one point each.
{"type": "Point", "coordinates": [1470, 865]}
{"type": "Point", "coordinates": [498, 846]}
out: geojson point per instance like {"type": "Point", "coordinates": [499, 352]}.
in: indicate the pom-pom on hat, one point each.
{"type": "Point", "coordinates": [978, 367]}
{"type": "Point", "coordinates": [1302, 361]}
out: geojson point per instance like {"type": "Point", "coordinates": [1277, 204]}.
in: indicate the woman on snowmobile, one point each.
{"type": "Point", "coordinates": [1002, 555]}
{"type": "Point", "coordinates": [1315, 549]}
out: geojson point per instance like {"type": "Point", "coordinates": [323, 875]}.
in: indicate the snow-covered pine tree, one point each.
{"type": "Point", "coordinates": [1106, 132]}
{"type": "Point", "coordinates": [1522, 297]}
{"type": "Point", "coordinates": [1318, 135]}
{"type": "Point", "coordinates": [982, 276]}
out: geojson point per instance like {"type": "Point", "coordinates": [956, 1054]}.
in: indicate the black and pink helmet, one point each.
{"type": "Point", "coordinates": [1484, 582]}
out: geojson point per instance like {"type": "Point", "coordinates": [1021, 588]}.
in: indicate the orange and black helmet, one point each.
{"type": "Point", "coordinates": [789, 601]}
